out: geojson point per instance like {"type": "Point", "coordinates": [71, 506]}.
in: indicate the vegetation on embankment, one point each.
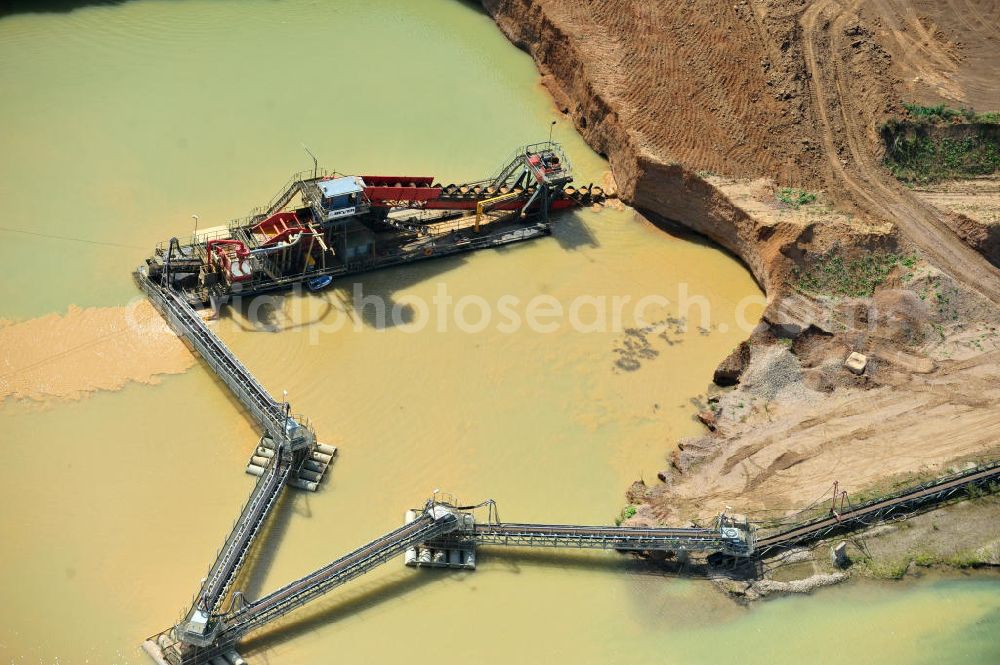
{"type": "Point", "coordinates": [958, 536]}
{"type": "Point", "coordinates": [936, 115]}
{"type": "Point", "coordinates": [627, 513]}
{"type": "Point", "coordinates": [833, 274]}
{"type": "Point", "coordinates": [934, 143]}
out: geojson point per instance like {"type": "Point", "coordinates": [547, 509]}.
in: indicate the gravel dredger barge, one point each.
{"type": "Point", "coordinates": [321, 226]}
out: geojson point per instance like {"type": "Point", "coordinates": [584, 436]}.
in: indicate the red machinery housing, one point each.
{"type": "Point", "coordinates": [231, 256]}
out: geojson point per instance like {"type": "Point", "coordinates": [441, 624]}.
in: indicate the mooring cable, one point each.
{"type": "Point", "coordinates": [54, 236]}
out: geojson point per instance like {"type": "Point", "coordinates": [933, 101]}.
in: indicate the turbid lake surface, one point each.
{"type": "Point", "coordinates": [117, 123]}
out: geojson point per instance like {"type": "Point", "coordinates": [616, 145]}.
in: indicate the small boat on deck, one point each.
{"type": "Point", "coordinates": [319, 283]}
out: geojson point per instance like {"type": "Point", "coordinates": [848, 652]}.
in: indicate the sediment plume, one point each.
{"type": "Point", "coordinates": [68, 356]}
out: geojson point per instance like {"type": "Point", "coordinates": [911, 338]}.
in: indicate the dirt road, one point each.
{"type": "Point", "coordinates": [847, 137]}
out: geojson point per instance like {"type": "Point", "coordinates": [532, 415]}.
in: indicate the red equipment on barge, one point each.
{"type": "Point", "coordinates": [322, 226]}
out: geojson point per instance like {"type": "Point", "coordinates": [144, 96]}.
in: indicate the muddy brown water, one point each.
{"type": "Point", "coordinates": [120, 122]}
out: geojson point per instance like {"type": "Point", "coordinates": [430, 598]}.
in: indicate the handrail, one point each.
{"type": "Point", "coordinates": [270, 411]}
{"type": "Point", "coordinates": [241, 537]}
{"type": "Point", "coordinates": [339, 571]}
{"type": "Point", "coordinates": [284, 195]}
{"type": "Point", "coordinates": [607, 537]}
{"type": "Point", "coordinates": [879, 507]}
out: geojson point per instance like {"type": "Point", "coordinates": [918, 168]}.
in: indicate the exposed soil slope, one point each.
{"type": "Point", "coordinates": [790, 89]}
{"type": "Point", "coordinates": [848, 121]}
{"type": "Point", "coordinates": [683, 82]}
{"type": "Point", "coordinates": [700, 106]}
{"type": "Point", "coordinates": [944, 50]}
{"type": "Point", "coordinates": [973, 208]}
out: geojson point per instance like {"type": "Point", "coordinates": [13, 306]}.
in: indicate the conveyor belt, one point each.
{"type": "Point", "coordinates": [338, 572]}
{"type": "Point", "coordinates": [263, 498]}
{"type": "Point", "coordinates": [231, 370]}
{"type": "Point", "coordinates": [186, 323]}
{"type": "Point", "coordinates": [879, 509]}
{"type": "Point", "coordinates": [265, 494]}
{"type": "Point", "coordinates": [600, 537]}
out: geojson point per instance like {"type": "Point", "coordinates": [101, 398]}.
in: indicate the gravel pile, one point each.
{"type": "Point", "coordinates": [774, 371]}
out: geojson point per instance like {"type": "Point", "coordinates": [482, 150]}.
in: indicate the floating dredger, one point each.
{"type": "Point", "coordinates": [324, 225]}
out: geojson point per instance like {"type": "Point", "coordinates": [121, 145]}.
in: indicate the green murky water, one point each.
{"type": "Point", "coordinates": [117, 124]}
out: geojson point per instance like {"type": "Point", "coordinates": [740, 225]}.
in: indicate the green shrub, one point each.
{"type": "Point", "coordinates": [795, 197]}
{"type": "Point", "coordinates": [628, 512]}
{"type": "Point", "coordinates": [921, 158]}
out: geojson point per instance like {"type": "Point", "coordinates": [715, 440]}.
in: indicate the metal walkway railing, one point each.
{"type": "Point", "coordinates": [879, 509]}
{"type": "Point", "coordinates": [229, 559]}
{"type": "Point", "coordinates": [287, 434]}
{"type": "Point", "coordinates": [445, 526]}
{"type": "Point", "coordinates": [293, 186]}
{"type": "Point", "coordinates": [186, 323]}
{"type": "Point", "coordinates": [447, 529]}
{"type": "Point", "coordinates": [518, 164]}
{"type": "Point", "coordinates": [608, 538]}
{"type": "Point", "coordinates": [360, 561]}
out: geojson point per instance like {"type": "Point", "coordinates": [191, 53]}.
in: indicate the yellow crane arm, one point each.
{"type": "Point", "coordinates": [485, 204]}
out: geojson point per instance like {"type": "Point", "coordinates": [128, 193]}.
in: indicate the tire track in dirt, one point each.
{"type": "Point", "coordinates": [926, 58]}
{"type": "Point", "coordinates": [976, 20]}
{"type": "Point", "coordinates": [965, 30]}
{"type": "Point", "coordinates": [859, 438]}
{"type": "Point", "coordinates": [979, 67]}
{"type": "Point", "coordinates": [866, 180]}
{"type": "Point", "coordinates": [688, 85]}
{"type": "Point", "coordinates": [744, 86]}
{"type": "Point", "coordinates": [924, 42]}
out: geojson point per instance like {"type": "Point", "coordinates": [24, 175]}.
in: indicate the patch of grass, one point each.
{"type": "Point", "coordinates": [628, 512]}
{"type": "Point", "coordinates": [917, 158]}
{"type": "Point", "coordinates": [888, 570]}
{"type": "Point", "coordinates": [795, 197]}
{"type": "Point", "coordinates": [942, 113]}
{"type": "Point", "coordinates": [835, 275]}
{"type": "Point", "coordinates": [894, 570]}
{"type": "Point", "coordinates": [963, 560]}
{"type": "Point", "coordinates": [926, 559]}
{"type": "Point", "coordinates": [975, 491]}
